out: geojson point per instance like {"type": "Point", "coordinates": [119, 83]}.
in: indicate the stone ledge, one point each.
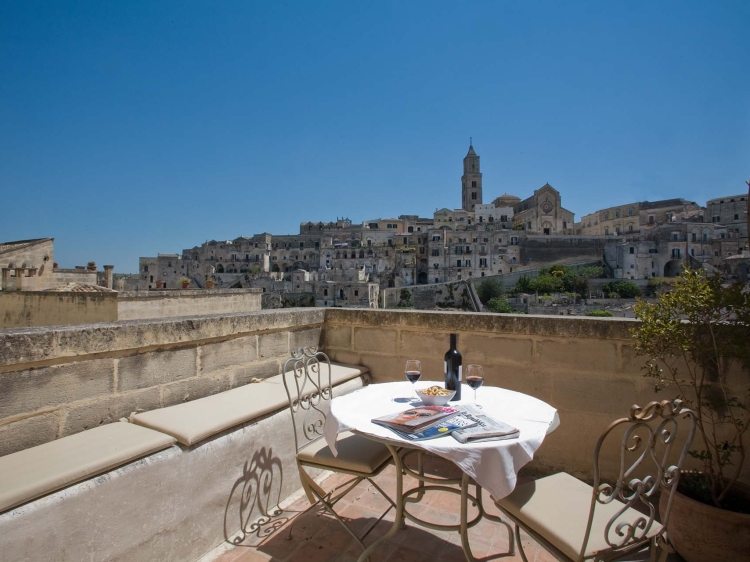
{"type": "Point", "coordinates": [45, 343]}
{"type": "Point", "coordinates": [182, 293]}
{"type": "Point", "coordinates": [524, 324]}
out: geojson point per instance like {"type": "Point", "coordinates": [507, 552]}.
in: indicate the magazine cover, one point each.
{"type": "Point", "coordinates": [439, 429]}
{"type": "Point", "coordinates": [413, 419]}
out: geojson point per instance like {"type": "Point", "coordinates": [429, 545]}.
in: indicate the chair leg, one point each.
{"type": "Point", "coordinates": [520, 544]}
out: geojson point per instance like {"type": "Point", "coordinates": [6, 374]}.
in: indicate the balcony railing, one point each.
{"type": "Point", "coordinates": [153, 364]}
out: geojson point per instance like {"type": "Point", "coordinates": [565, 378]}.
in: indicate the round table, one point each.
{"type": "Point", "coordinates": [492, 464]}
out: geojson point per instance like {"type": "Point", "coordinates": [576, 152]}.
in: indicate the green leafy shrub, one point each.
{"type": "Point", "coordinates": [622, 289]}
{"type": "Point", "coordinates": [692, 335]}
{"type": "Point", "coordinates": [499, 305]}
{"type": "Point", "coordinates": [489, 289]}
{"type": "Point", "coordinates": [599, 313]}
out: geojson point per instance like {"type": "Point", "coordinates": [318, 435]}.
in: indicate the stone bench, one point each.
{"type": "Point", "coordinates": [38, 471]}
{"type": "Point", "coordinates": [195, 421]}
{"type": "Point", "coordinates": [176, 503]}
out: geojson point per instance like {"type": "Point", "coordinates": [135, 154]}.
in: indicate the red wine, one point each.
{"type": "Point", "coordinates": [413, 376]}
{"type": "Point", "coordinates": [453, 369]}
{"type": "Point", "coordinates": [474, 382]}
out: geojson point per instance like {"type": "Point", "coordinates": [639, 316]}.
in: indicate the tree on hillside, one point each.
{"type": "Point", "coordinates": [489, 289]}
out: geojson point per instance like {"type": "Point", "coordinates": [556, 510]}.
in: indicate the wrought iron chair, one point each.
{"type": "Point", "coordinates": [307, 380]}
{"type": "Point", "coordinates": [576, 522]}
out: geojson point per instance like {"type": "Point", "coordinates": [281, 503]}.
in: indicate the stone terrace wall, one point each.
{"type": "Point", "coordinates": [136, 305]}
{"type": "Point", "coordinates": [37, 308]}
{"type": "Point", "coordinates": [56, 381]}
{"type": "Point", "coordinates": [584, 367]}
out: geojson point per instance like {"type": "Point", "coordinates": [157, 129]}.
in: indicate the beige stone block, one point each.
{"type": "Point", "coordinates": [258, 370]}
{"type": "Point", "coordinates": [191, 389]}
{"type": "Point", "coordinates": [154, 368]}
{"type": "Point", "coordinates": [220, 355]}
{"type": "Point", "coordinates": [423, 344]}
{"type": "Point", "coordinates": [379, 340]}
{"type": "Point", "coordinates": [384, 368]}
{"type": "Point", "coordinates": [305, 338]}
{"type": "Point", "coordinates": [46, 387]}
{"type": "Point", "coordinates": [519, 379]}
{"type": "Point", "coordinates": [339, 337]}
{"type": "Point", "coordinates": [630, 362]}
{"type": "Point", "coordinates": [587, 355]}
{"type": "Point", "coordinates": [28, 432]}
{"type": "Point", "coordinates": [494, 350]}
{"type": "Point", "coordinates": [85, 416]}
{"type": "Point", "coordinates": [343, 356]}
{"type": "Point", "coordinates": [274, 345]}
{"type": "Point", "coordinates": [611, 395]}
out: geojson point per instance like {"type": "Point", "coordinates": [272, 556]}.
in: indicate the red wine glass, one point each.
{"type": "Point", "coordinates": [475, 378]}
{"type": "Point", "coordinates": [413, 371]}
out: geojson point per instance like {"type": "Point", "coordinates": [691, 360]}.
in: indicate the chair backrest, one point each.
{"type": "Point", "coordinates": [645, 448]}
{"type": "Point", "coordinates": [307, 380]}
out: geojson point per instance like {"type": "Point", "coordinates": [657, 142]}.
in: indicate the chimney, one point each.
{"type": "Point", "coordinates": [108, 277]}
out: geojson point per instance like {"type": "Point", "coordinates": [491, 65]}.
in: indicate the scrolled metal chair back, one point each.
{"type": "Point", "coordinates": [307, 381]}
{"type": "Point", "coordinates": [645, 448]}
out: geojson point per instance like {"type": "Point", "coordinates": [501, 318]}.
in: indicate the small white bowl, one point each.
{"type": "Point", "coordinates": [435, 400]}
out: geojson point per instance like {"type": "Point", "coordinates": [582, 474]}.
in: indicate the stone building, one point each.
{"type": "Point", "coordinates": [471, 181]}
{"type": "Point", "coordinates": [29, 265]}
{"type": "Point", "coordinates": [542, 213]}
{"type": "Point", "coordinates": [730, 211]}
{"type": "Point", "coordinates": [633, 218]}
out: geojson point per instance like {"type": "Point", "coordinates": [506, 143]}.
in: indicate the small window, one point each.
{"type": "Point", "coordinates": [736, 217]}
{"type": "Point", "coordinates": [617, 214]}
{"type": "Point", "coordinates": [356, 293]}
{"type": "Point", "coordinates": [632, 249]}
{"type": "Point", "coordinates": [325, 292]}
{"type": "Point", "coordinates": [473, 184]}
{"type": "Point", "coordinates": [473, 195]}
{"type": "Point", "coordinates": [458, 263]}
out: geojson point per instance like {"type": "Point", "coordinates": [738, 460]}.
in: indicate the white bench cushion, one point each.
{"type": "Point", "coordinates": [43, 469]}
{"type": "Point", "coordinates": [355, 453]}
{"type": "Point", "coordinates": [199, 419]}
{"type": "Point", "coordinates": [557, 508]}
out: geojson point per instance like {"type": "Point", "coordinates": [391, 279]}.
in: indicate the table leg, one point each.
{"type": "Point", "coordinates": [399, 506]}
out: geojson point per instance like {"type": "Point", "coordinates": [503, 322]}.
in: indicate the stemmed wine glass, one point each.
{"type": "Point", "coordinates": [475, 378]}
{"type": "Point", "coordinates": [413, 371]}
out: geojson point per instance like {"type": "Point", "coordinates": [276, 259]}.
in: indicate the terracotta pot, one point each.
{"type": "Point", "coordinates": [209, 284]}
{"type": "Point", "coordinates": [186, 285]}
{"type": "Point", "coordinates": [160, 284]}
{"type": "Point", "coordinates": [704, 533]}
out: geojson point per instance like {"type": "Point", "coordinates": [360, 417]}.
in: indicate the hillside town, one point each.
{"type": "Point", "coordinates": [340, 263]}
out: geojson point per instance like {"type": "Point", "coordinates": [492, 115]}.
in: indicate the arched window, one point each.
{"type": "Point", "coordinates": [630, 212]}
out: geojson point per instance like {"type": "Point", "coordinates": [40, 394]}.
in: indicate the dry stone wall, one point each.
{"type": "Point", "coordinates": [57, 381]}
{"type": "Point", "coordinates": [585, 367]}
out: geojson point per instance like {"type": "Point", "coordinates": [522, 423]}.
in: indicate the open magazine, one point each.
{"type": "Point", "coordinates": [485, 428]}
{"type": "Point", "coordinates": [415, 419]}
{"type": "Point", "coordinates": [440, 428]}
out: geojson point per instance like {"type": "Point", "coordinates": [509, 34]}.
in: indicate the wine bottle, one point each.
{"type": "Point", "coordinates": [453, 369]}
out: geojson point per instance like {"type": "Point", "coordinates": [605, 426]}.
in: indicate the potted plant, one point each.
{"type": "Point", "coordinates": [209, 283]}
{"type": "Point", "coordinates": [91, 266]}
{"type": "Point", "coordinates": [697, 339]}
{"type": "Point", "coordinates": [160, 284]}
{"type": "Point", "coordinates": [184, 281]}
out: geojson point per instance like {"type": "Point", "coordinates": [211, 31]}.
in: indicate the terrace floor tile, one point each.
{"type": "Point", "coordinates": [319, 537]}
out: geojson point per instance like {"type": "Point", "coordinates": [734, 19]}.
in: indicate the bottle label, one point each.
{"type": "Point", "coordinates": [445, 367]}
{"type": "Point", "coordinates": [460, 371]}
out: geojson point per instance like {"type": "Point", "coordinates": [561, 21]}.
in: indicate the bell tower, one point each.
{"type": "Point", "coordinates": [471, 181]}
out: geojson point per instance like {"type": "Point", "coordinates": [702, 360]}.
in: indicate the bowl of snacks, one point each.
{"type": "Point", "coordinates": [435, 395]}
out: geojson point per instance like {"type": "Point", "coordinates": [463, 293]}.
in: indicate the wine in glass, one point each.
{"type": "Point", "coordinates": [413, 371]}
{"type": "Point", "coordinates": [475, 378]}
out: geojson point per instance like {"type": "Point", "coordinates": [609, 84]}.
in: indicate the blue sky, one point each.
{"type": "Point", "coordinates": [133, 128]}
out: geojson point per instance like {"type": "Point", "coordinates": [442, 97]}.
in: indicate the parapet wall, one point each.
{"type": "Point", "coordinates": [585, 367]}
{"type": "Point", "coordinates": [57, 381]}
{"type": "Point", "coordinates": [37, 308]}
{"type": "Point", "coordinates": [136, 305]}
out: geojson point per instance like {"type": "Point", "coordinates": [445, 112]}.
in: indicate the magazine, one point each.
{"type": "Point", "coordinates": [414, 419]}
{"type": "Point", "coordinates": [441, 428]}
{"type": "Point", "coordinates": [485, 428]}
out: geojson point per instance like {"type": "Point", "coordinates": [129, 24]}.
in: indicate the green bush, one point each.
{"type": "Point", "coordinates": [599, 313]}
{"type": "Point", "coordinates": [499, 305]}
{"type": "Point", "coordinates": [489, 289]}
{"type": "Point", "coordinates": [622, 289]}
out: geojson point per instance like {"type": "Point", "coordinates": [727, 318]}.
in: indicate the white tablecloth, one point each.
{"type": "Point", "coordinates": [493, 464]}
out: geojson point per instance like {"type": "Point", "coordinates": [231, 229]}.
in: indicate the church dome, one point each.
{"type": "Point", "coordinates": [506, 200]}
